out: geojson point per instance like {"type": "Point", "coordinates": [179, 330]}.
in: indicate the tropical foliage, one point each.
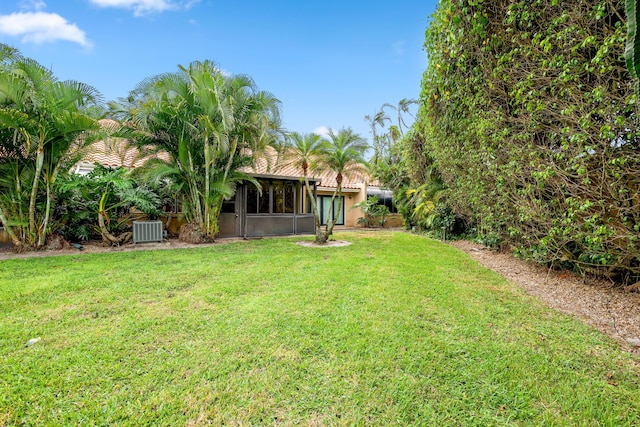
{"type": "Point", "coordinates": [306, 152]}
{"type": "Point", "coordinates": [380, 142]}
{"type": "Point", "coordinates": [342, 153]}
{"type": "Point", "coordinates": [531, 118]}
{"type": "Point", "coordinates": [44, 124]}
{"type": "Point", "coordinates": [101, 203]}
{"type": "Point", "coordinates": [373, 213]}
{"type": "Point", "coordinates": [209, 125]}
{"type": "Point", "coordinates": [403, 164]}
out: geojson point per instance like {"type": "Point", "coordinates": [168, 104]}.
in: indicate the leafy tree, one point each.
{"type": "Point", "coordinates": [44, 124]}
{"type": "Point", "coordinates": [210, 125]}
{"type": "Point", "coordinates": [403, 107]}
{"type": "Point", "coordinates": [344, 155]}
{"type": "Point", "coordinates": [306, 151]}
{"type": "Point", "coordinates": [379, 141]}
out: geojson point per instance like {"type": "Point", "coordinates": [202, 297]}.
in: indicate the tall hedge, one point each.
{"type": "Point", "coordinates": [532, 118]}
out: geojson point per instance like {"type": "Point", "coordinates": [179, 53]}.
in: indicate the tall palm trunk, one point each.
{"type": "Point", "coordinates": [314, 208]}
{"type": "Point", "coordinates": [42, 231]}
{"type": "Point", "coordinates": [34, 191]}
{"type": "Point", "coordinates": [336, 194]}
{"type": "Point", "coordinates": [207, 187]}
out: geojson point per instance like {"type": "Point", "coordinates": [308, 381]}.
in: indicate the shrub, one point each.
{"type": "Point", "coordinates": [531, 119]}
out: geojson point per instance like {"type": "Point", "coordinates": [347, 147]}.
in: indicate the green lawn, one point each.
{"type": "Point", "coordinates": [395, 329]}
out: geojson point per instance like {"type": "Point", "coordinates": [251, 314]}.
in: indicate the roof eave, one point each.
{"type": "Point", "coordinates": [344, 189]}
{"type": "Point", "coordinates": [283, 177]}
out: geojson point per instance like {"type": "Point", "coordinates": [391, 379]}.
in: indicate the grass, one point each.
{"type": "Point", "coordinates": [395, 329]}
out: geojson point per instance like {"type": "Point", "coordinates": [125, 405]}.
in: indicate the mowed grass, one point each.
{"type": "Point", "coordinates": [395, 329]}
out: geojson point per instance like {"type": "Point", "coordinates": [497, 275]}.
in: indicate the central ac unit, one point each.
{"type": "Point", "coordinates": [147, 231]}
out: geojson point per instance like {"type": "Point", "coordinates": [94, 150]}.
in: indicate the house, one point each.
{"type": "Point", "coordinates": [280, 179]}
{"type": "Point", "coordinates": [281, 208]}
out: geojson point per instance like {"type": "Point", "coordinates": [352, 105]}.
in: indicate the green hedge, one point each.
{"type": "Point", "coordinates": [531, 116]}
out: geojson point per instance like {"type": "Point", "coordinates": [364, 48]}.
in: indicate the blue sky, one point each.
{"type": "Point", "coordinates": [329, 62]}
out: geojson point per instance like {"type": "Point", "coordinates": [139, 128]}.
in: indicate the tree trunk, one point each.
{"type": "Point", "coordinates": [206, 198]}
{"type": "Point", "coordinates": [320, 239]}
{"type": "Point", "coordinates": [321, 236]}
{"type": "Point", "coordinates": [42, 233]}
{"type": "Point", "coordinates": [107, 237]}
{"type": "Point", "coordinates": [34, 192]}
{"type": "Point", "coordinates": [332, 223]}
{"type": "Point", "coordinates": [18, 245]}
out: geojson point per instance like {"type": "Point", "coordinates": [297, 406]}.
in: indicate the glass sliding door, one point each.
{"type": "Point", "coordinates": [327, 211]}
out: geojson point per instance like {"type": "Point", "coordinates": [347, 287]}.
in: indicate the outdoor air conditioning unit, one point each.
{"type": "Point", "coordinates": [147, 231]}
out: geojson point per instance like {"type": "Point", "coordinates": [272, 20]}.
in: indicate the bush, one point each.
{"type": "Point", "coordinates": [531, 119]}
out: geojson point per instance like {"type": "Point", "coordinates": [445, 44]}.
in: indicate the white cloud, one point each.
{"type": "Point", "coordinates": [32, 5]}
{"type": "Point", "coordinates": [146, 7]}
{"type": "Point", "coordinates": [322, 131]}
{"type": "Point", "coordinates": [41, 27]}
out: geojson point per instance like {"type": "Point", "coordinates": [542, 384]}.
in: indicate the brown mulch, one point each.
{"type": "Point", "coordinates": [98, 247]}
{"type": "Point", "coordinates": [601, 304]}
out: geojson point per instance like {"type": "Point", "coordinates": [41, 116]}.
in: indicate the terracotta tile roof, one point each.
{"type": "Point", "coordinates": [352, 180]}
{"type": "Point", "coordinates": [272, 164]}
{"type": "Point", "coordinates": [118, 153]}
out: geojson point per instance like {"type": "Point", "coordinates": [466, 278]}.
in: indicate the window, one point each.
{"type": "Point", "coordinates": [173, 205]}
{"type": "Point", "coordinates": [252, 199]}
{"type": "Point", "coordinates": [385, 197]}
{"type": "Point", "coordinates": [229, 206]}
{"type": "Point", "coordinates": [289, 195]}
{"type": "Point", "coordinates": [278, 197]}
{"type": "Point", "coordinates": [256, 202]}
{"type": "Point", "coordinates": [264, 198]}
{"type": "Point", "coordinates": [327, 211]}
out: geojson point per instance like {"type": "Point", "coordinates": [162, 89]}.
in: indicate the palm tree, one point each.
{"type": "Point", "coordinates": [344, 155]}
{"type": "Point", "coordinates": [210, 125]}
{"type": "Point", "coordinates": [402, 107]}
{"type": "Point", "coordinates": [48, 122]}
{"type": "Point", "coordinates": [306, 151]}
{"type": "Point", "coordinates": [14, 174]}
{"type": "Point", "coordinates": [378, 119]}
